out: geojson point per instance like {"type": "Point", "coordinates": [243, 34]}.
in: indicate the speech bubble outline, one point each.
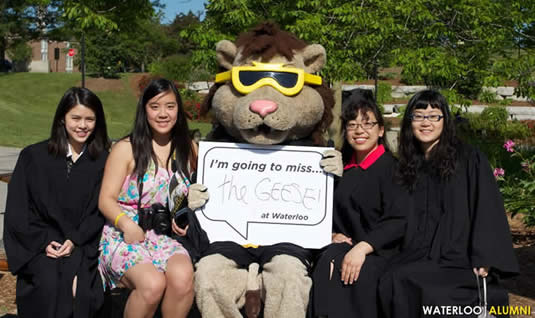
{"type": "Point", "coordinates": [244, 227]}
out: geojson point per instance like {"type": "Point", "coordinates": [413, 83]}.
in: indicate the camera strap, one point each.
{"type": "Point", "coordinates": [140, 212]}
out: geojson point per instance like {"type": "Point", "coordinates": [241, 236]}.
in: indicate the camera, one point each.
{"type": "Point", "coordinates": [156, 217]}
{"type": "Point", "coordinates": [181, 217]}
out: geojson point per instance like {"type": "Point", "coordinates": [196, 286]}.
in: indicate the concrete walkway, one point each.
{"type": "Point", "coordinates": [8, 159]}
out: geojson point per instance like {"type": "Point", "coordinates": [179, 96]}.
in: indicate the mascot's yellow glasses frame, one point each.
{"type": "Point", "coordinates": [287, 80]}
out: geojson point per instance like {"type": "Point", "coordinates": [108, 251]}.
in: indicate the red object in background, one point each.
{"type": "Point", "coordinates": [71, 52]}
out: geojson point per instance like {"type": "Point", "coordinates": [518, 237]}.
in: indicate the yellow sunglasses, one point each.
{"type": "Point", "coordinates": [287, 80]}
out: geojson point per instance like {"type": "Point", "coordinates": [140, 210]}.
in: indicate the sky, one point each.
{"type": "Point", "coordinates": [172, 7]}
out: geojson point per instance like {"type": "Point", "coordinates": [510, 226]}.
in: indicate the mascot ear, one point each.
{"type": "Point", "coordinates": [314, 57]}
{"type": "Point", "coordinates": [226, 52]}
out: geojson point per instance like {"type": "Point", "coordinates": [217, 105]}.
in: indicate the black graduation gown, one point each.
{"type": "Point", "coordinates": [454, 225]}
{"type": "Point", "coordinates": [45, 204]}
{"type": "Point", "coordinates": [366, 208]}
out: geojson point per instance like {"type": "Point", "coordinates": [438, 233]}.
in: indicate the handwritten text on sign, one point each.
{"type": "Point", "coordinates": [265, 194]}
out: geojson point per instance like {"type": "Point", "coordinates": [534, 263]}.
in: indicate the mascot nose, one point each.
{"type": "Point", "coordinates": [263, 107]}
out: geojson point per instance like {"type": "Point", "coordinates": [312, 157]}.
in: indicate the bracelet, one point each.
{"type": "Point", "coordinates": [117, 218]}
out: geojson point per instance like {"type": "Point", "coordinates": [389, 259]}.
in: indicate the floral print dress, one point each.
{"type": "Point", "coordinates": [117, 256]}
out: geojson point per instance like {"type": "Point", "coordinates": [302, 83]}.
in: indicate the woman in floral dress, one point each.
{"type": "Point", "coordinates": [154, 266]}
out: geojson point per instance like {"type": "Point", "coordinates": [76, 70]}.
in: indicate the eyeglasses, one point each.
{"type": "Point", "coordinates": [287, 80]}
{"type": "Point", "coordinates": [366, 126]}
{"type": "Point", "coordinates": [433, 118]}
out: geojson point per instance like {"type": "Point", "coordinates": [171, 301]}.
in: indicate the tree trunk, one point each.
{"type": "Point", "coordinates": [2, 54]}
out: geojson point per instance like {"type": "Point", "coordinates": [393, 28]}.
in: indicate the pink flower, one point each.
{"type": "Point", "coordinates": [508, 145]}
{"type": "Point", "coordinates": [498, 172]}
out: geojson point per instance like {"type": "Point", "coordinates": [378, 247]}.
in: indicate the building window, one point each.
{"type": "Point", "coordinates": [68, 60]}
{"type": "Point", "coordinates": [44, 50]}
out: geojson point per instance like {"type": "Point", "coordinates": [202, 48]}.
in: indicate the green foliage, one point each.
{"type": "Point", "coordinates": [494, 116]}
{"type": "Point", "coordinates": [489, 130]}
{"type": "Point", "coordinates": [21, 54]}
{"type": "Point", "coordinates": [505, 102]}
{"type": "Point", "coordinates": [520, 67]}
{"type": "Point", "coordinates": [450, 44]}
{"type": "Point", "coordinates": [518, 190]}
{"type": "Point", "coordinates": [384, 93]}
{"type": "Point", "coordinates": [487, 97]}
{"type": "Point", "coordinates": [357, 38]}
{"type": "Point", "coordinates": [175, 67]}
{"type": "Point", "coordinates": [456, 101]}
{"type": "Point", "coordinates": [103, 54]}
{"type": "Point", "coordinates": [106, 15]}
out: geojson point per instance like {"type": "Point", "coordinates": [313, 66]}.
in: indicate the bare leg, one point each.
{"type": "Point", "coordinates": [148, 286]}
{"type": "Point", "coordinates": [74, 284]}
{"type": "Point", "coordinates": [179, 291]}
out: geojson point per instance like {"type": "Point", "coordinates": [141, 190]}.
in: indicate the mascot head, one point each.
{"type": "Point", "coordinates": [267, 91]}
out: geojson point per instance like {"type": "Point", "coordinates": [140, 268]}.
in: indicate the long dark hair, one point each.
{"type": "Point", "coordinates": [358, 101]}
{"type": "Point", "coordinates": [442, 157]}
{"type": "Point", "coordinates": [141, 135]}
{"type": "Point", "coordinates": [97, 142]}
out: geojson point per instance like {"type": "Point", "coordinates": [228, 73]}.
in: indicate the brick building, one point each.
{"type": "Point", "coordinates": [51, 56]}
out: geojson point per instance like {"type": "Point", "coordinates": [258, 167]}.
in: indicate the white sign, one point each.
{"type": "Point", "coordinates": [265, 194]}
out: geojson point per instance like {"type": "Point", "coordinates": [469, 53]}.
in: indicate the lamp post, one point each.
{"type": "Point", "coordinates": [82, 63]}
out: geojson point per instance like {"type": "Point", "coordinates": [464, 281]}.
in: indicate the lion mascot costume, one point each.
{"type": "Point", "coordinates": [266, 93]}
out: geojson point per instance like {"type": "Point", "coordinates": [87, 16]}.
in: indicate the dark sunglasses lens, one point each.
{"type": "Point", "coordinates": [284, 79]}
{"type": "Point", "coordinates": [250, 77]}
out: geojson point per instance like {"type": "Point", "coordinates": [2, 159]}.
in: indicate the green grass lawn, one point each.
{"type": "Point", "coordinates": [28, 102]}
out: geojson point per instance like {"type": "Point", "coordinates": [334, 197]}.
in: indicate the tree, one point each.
{"type": "Point", "coordinates": [21, 20]}
{"type": "Point", "coordinates": [107, 23]}
{"type": "Point", "coordinates": [456, 44]}
{"type": "Point", "coordinates": [357, 36]}
{"type": "Point", "coordinates": [446, 43]}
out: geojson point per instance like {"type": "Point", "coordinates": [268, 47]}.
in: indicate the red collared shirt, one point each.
{"type": "Point", "coordinates": [368, 161]}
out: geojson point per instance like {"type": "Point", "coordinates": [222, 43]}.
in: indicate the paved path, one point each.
{"type": "Point", "coordinates": [8, 159]}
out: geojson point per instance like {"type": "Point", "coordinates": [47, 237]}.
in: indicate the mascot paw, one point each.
{"type": "Point", "coordinates": [253, 303]}
{"type": "Point", "coordinates": [332, 162]}
{"type": "Point", "coordinates": [197, 196]}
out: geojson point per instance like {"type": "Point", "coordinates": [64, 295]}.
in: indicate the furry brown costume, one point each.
{"type": "Point", "coordinates": [223, 284]}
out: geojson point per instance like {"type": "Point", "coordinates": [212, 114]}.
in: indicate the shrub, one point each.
{"type": "Point", "coordinates": [489, 130]}
{"type": "Point", "coordinates": [384, 93]}
{"type": "Point", "coordinates": [175, 67]}
{"type": "Point", "coordinates": [487, 97]}
{"type": "Point", "coordinates": [518, 189]}
{"type": "Point", "coordinates": [21, 55]}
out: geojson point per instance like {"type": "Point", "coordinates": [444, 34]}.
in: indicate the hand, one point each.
{"type": "Point", "coordinates": [52, 249]}
{"type": "Point", "coordinates": [351, 265]}
{"type": "Point", "coordinates": [197, 196]}
{"type": "Point", "coordinates": [66, 249]}
{"type": "Point", "coordinates": [332, 162]}
{"type": "Point", "coordinates": [179, 231]}
{"type": "Point", "coordinates": [482, 271]}
{"type": "Point", "coordinates": [341, 238]}
{"type": "Point", "coordinates": [353, 261]}
{"type": "Point", "coordinates": [133, 233]}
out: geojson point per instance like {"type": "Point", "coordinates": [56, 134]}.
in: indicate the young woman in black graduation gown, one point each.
{"type": "Point", "coordinates": [457, 224]}
{"type": "Point", "coordinates": [367, 223]}
{"type": "Point", "coordinates": [52, 222]}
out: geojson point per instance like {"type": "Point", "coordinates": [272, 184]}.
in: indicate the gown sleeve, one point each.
{"type": "Point", "coordinates": [491, 243]}
{"type": "Point", "coordinates": [26, 233]}
{"type": "Point", "coordinates": [390, 227]}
